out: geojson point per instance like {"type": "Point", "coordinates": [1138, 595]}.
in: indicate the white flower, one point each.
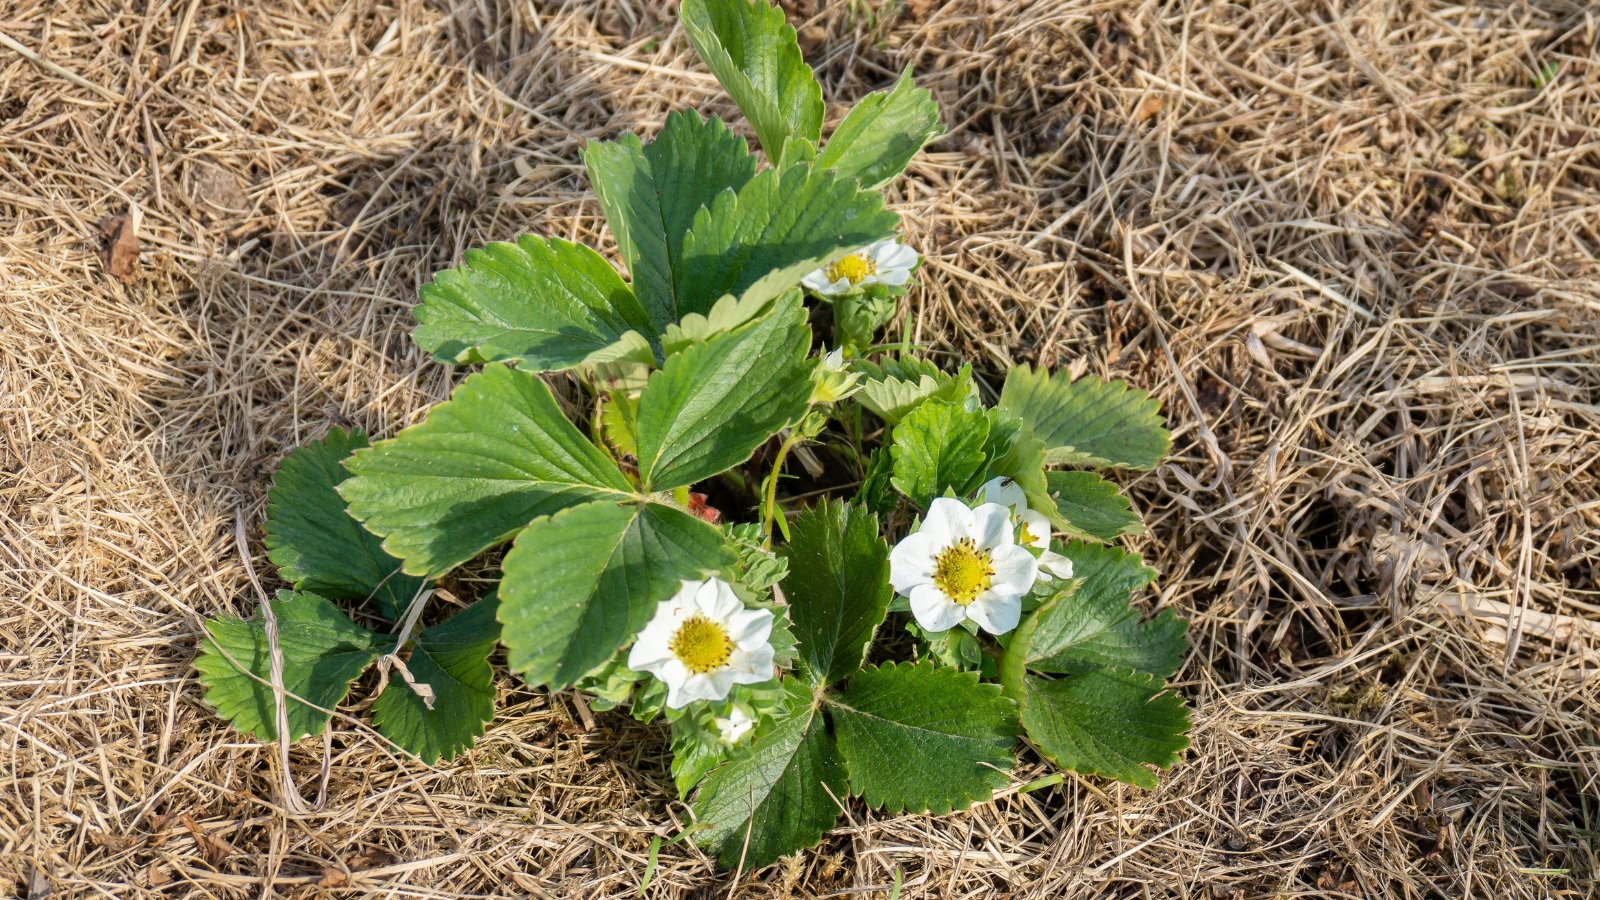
{"type": "Point", "coordinates": [885, 262]}
{"type": "Point", "coordinates": [963, 564]}
{"type": "Point", "coordinates": [735, 725]}
{"type": "Point", "coordinates": [832, 380]}
{"type": "Point", "coordinates": [1034, 527]}
{"type": "Point", "coordinates": [702, 642]}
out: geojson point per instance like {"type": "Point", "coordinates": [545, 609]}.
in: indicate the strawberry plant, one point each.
{"type": "Point", "coordinates": [941, 582]}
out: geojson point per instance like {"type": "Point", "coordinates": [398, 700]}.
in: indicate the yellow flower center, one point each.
{"type": "Point", "coordinates": [701, 645]}
{"type": "Point", "coordinates": [853, 268]}
{"type": "Point", "coordinates": [963, 571]}
{"type": "Point", "coordinates": [1026, 538]}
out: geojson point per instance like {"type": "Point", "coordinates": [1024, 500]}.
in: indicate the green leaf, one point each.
{"type": "Point", "coordinates": [939, 446]}
{"type": "Point", "coordinates": [313, 541]}
{"type": "Point", "coordinates": [759, 242]}
{"type": "Point", "coordinates": [1092, 507]}
{"type": "Point", "coordinates": [780, 795]}
{"type": "Point", "coordinates": [1094, 627]}
{"type": "Point", "coordinates": [694, 755]}
{"type": "Point", "coordinates": [754, 53]}
{"type": "Point", "coordinates": [838, 587]}
{"type": "Point", "coordinates": [584, 581]}
{"type": "Point", "coordinates": [651, 193]}
{"type": "Point", "coordinates": [1088, 422]}
{"type": "Point", "coordinates": [323, 651]}
{"type": "Point", "coordinates": [881, 134]}
{"type": "Point", "coordinates": [894, 387]}
{"type": "Point", "coordinates": [1015, 452]}
{"type": "Point", "coordinates": [452, 658]}
{"type": "Point", "coordinates": [1105, 723]}
{"type": "Point", "coordinates": [494, 457]}
{"type": "Point", "coordinates": [543, 303]}
{"type": "Point", "coordinates": [924, 739]}
{"type": "Point", "coordinates": [713, 404]}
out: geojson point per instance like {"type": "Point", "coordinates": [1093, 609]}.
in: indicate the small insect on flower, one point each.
{"type": "Point", "coordinates": [884, 262]}
{"type": "Point", "coordinates": [703, 641]}
{"type": "Point", "coordinates": [963, 564]}
{"type": "Point", "coordinates": [735, 726]}
{"type": "Point", "coordinates": [1033, 529]}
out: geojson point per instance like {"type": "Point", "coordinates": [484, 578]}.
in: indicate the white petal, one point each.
{"type": "Point", "coordinates": [897, 257]}
{"type": "Point", "coordinates": [749, 666]}
{"type": "Point", "coordinates": [673, 674]}
{"type": "Point", "coordinates": [911, 561]}
{"type": "Point", "coordinates": [992, 526]}
{"type": "Point", "coordinates": [701, 687]}
{"type": "Point", "coordinates": [894, 277]}
{"type": "Point", "coordinates": [935, 611]}
{"type": "Point", "coordinates": [1055, 564]}
{"type": "Point", "coordinates": [816, 280]}
{"type": "Point", "coordinates": [1014, 570]}
{"type": "Point", "coordinates": [996, 614]}
{"type": "Point", "coordinates": [750, 628]}
{"type": "Point", "coordinates": [735, 726]}
{"type": "Point", "coordinates": [1005, 492]}
{"type": "Point", "coordinates": [948, 520]}
{"type": "Point", "coordinates": [650, 650]}
{"type": "Point", "coordinates": [1038, 528]}
{"type": "Point", "coordinates": [718, 601]}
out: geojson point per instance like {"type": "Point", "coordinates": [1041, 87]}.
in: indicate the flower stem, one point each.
{"type": "Point", "coordinates": [1014, 662]}
{"type": "Point", "coordinates": [769, 504]}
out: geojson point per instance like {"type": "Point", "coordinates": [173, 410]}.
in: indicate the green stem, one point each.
{"type": "Point", "coordinates": [1014, 662]}
{"type": "Point", "coordinates": [769, 505]}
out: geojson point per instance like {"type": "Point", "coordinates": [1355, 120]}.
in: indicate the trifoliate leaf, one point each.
{"type": "Point", "coordinates": [651, 192]}
{"type": "Point", "coordinates": [919, 738]}
{"type": "Point", "coordinates": [1088, 422]}
{"type": "Point", "coordinates": [754, 53]}
{"type": "Point", "coordinates": [881, 134]}
{"type": "Point", "coordinates": [838, 587]}
{"type": "Point", "coordinates": [1106, 723]}
{"type": "Point", "coordinates": [713, 404]}
{"type": "Point", "coordinates": [451, 658]}
{"type": "Point", "coordinates": [779, 796]}
{"type": "Point", "coordinates": [323, 651]}
{"type": "Point", "coordinates": [939, 447]}
{"type": "Point", "coordinates": [495, 456]}
{"type": "Point", "coordinates": [315, 543]}
{"type": "Point", "coordinates": [542, 303]}
{"type": "Point", "coordinates": [1092, 507]}
{"type": "Point", "coordinates": [584, 581]}
{"type": "Point", "coordinates": [759, 242]}
{"type": "Point", "coordinates": [893, 387]}
{"type": "Point", "coordinates": [1094, 627]}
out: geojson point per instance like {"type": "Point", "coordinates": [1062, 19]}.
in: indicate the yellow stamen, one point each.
{"type": "Point", "coordinates": [701, 645]}
{"type": "Point", "coordinates": [853, 268]}
{"type": "Point", "coordinates": [962, 571]}
{"type": "Point", "coordinates": [1027, 538]}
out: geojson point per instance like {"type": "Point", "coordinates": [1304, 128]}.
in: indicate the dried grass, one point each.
{"type": "Point", "coordinates": [1351, 244]}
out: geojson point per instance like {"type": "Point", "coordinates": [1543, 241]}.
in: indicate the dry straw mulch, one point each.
{"type": "Point", "coordinates": [1351, 243]}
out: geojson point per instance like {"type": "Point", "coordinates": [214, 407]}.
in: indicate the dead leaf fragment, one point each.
{"type": "Point", "coordinates": [119, 249]}
{"type": "Point", "coordinates": [1148, 108]}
